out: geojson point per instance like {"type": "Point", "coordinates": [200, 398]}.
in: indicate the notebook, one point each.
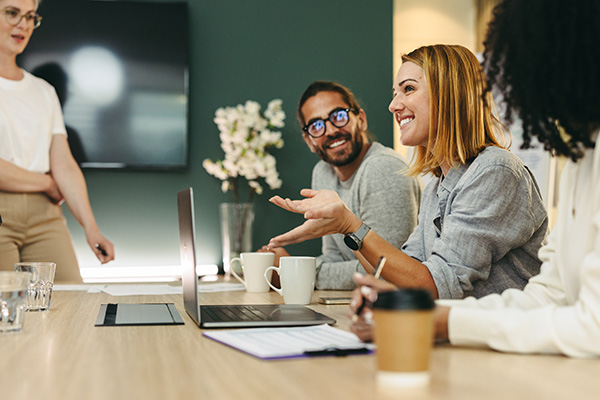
{"type": "Point", "coordinates": [229, 316]}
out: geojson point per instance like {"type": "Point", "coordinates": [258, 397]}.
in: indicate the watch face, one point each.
{"type": "Point", "coordinates": [350, 241]}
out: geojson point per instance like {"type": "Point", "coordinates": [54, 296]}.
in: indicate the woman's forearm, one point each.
{"type": "Point", "coordinates": [71, 183]}
{"type": "Point", "coordinates": [400, 269]}
{"type": "Point", "coordinates": [17, 179]}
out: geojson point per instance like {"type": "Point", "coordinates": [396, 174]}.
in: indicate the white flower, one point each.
{"type": "Point", "coordinates": [252, 107]}
{"type": "Point", "coordinates": [275, 114]}
{"type": "Point", "coordinates": [256, 186]}
{"type": "Point", "coordinates": [215, 169]}
{"type": "Point", "coordinates": [246, 136]}
{"type": "Point", "coordinates": [225, 186]}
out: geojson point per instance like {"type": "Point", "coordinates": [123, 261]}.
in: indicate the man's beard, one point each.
{"type": "Point", "coordinates": [356, 146]}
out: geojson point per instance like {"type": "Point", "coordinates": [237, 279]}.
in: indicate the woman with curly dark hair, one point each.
{"type": "Point", "coordinates": [542, 57]}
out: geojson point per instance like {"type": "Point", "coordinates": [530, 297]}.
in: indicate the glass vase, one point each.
{"type": "Point", "coordinates": [236, 232]}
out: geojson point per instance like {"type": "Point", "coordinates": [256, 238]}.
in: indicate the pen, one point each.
{"type": "Point", "coordinates": [336, 352]}
{"type": "Point", "coordinates": [379, 267]}
{"type": "Point", "coordinates": [104, 253]}
{"type": "Point", "coordinates": [376, 274]}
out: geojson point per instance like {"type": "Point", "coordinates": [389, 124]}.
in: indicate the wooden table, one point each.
{"type": "Point", "coordinates": [61, 355]}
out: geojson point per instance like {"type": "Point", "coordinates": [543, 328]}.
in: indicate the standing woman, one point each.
{"type": "Point", "coordinates": [481, 222]}
{"type": "Point", "coordinates": [37, 170]}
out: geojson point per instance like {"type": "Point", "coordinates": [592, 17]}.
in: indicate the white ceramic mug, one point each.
{"type": "Point", "coordinates": [297, 277]}
{"type": "Point", "coordinates": [254, 266]}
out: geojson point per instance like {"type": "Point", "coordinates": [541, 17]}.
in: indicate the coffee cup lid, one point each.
{"type": "Point", "coordinates": [405, 299]}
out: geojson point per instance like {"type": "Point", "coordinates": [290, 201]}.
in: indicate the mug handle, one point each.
{"type": "Point", "coordinates": [233, 270]}
{"type": "Point", "coordinates": [269, 281]}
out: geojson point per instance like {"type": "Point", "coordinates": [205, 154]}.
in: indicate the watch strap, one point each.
{"type": "Point", "coordinates": [362, 231]}
{"type": "Point", "coordinates": [354, 240]}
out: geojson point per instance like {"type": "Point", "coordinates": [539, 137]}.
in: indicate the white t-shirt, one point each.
{"type": "Point", "coordinates": [30, 114]}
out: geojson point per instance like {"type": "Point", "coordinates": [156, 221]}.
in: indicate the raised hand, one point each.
{"type": "Point", "coordinates": [325, 214]}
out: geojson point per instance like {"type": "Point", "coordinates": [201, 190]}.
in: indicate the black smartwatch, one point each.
{"type": "Point", "coordinates": [354, 240]}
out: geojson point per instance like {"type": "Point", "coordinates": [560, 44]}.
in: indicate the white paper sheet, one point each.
{"type": "Point", "coordinates": [219, 287]}
{"type": "Point", "coordinates": [120, 289]}
{"type": "Point", "coordinates": [274, 343]}
{"type": "Point", "coordinates": [140, 289]}
{"type": "Point", "coordinates": [75, 288]}
{"type": "Point", "coordinates": [133, 289]}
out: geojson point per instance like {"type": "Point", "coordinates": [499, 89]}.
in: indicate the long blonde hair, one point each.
{"type": "Point", "coordinates": [462, 121]}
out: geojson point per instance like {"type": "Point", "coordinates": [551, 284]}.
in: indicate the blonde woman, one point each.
{"type": "Point", "coordinates": [481, 222]}
{"type": "Point", "coordinates": [37, 169]}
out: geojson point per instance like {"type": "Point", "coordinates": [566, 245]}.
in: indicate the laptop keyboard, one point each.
{"type": "Point", "coordinates": [233, 313]}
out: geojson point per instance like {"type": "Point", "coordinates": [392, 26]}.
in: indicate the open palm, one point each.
{"type": "Point", "coordinates": [324, 211]}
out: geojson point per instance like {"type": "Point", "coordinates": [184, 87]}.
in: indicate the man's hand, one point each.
{"type": "Point", "coordinates": [325, 214]}
{"type": "Point", "coordinates": [279, 252]}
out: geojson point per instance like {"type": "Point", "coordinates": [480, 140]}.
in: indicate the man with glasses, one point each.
{"type": "Point", "coordinates": [368, 177]}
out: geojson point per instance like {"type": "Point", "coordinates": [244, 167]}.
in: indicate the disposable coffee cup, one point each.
{"type": "Point", "coordinates": [403, 332]}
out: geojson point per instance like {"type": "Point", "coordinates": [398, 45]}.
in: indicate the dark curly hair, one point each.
{"type": "Point", "coordinates": [543, 58]}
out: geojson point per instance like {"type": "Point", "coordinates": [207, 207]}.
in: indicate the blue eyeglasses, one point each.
{"type": "Point", "coordinates": [338, 118]}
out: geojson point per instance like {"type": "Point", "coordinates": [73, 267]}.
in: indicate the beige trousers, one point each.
{"type": "Point", "coordinates": [34, 229]}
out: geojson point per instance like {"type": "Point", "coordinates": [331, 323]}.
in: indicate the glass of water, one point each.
{"type": "Point", "coordinates": [40, 284]}
{"type": "Point", "coordinates": [13, 300]}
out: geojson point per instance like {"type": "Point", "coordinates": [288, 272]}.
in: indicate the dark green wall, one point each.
{"type": "Point", "coordinates": [240, 50]}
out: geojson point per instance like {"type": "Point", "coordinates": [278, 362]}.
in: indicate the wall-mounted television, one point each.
{"type": "Point", "coordinates": [121, 71]}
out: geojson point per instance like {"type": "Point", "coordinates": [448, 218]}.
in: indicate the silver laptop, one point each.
{"type": "Point", "coordinates": [229, 316]}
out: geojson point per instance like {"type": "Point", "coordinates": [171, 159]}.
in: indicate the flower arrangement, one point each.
{"type": "Point", "coordinates": [246, 136]}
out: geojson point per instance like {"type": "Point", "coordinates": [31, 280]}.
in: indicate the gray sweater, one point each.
{"type": "Point", "coordinates": [381, 195]}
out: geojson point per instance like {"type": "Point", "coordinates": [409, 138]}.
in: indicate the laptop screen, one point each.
{"type": "Point", "coordinates": [189, 279]}
{"type": "Point", "coordinates": [222, 316]}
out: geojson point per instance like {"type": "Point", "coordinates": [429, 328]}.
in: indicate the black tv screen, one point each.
{"type": "Point", "coordinates": [120, 70]}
